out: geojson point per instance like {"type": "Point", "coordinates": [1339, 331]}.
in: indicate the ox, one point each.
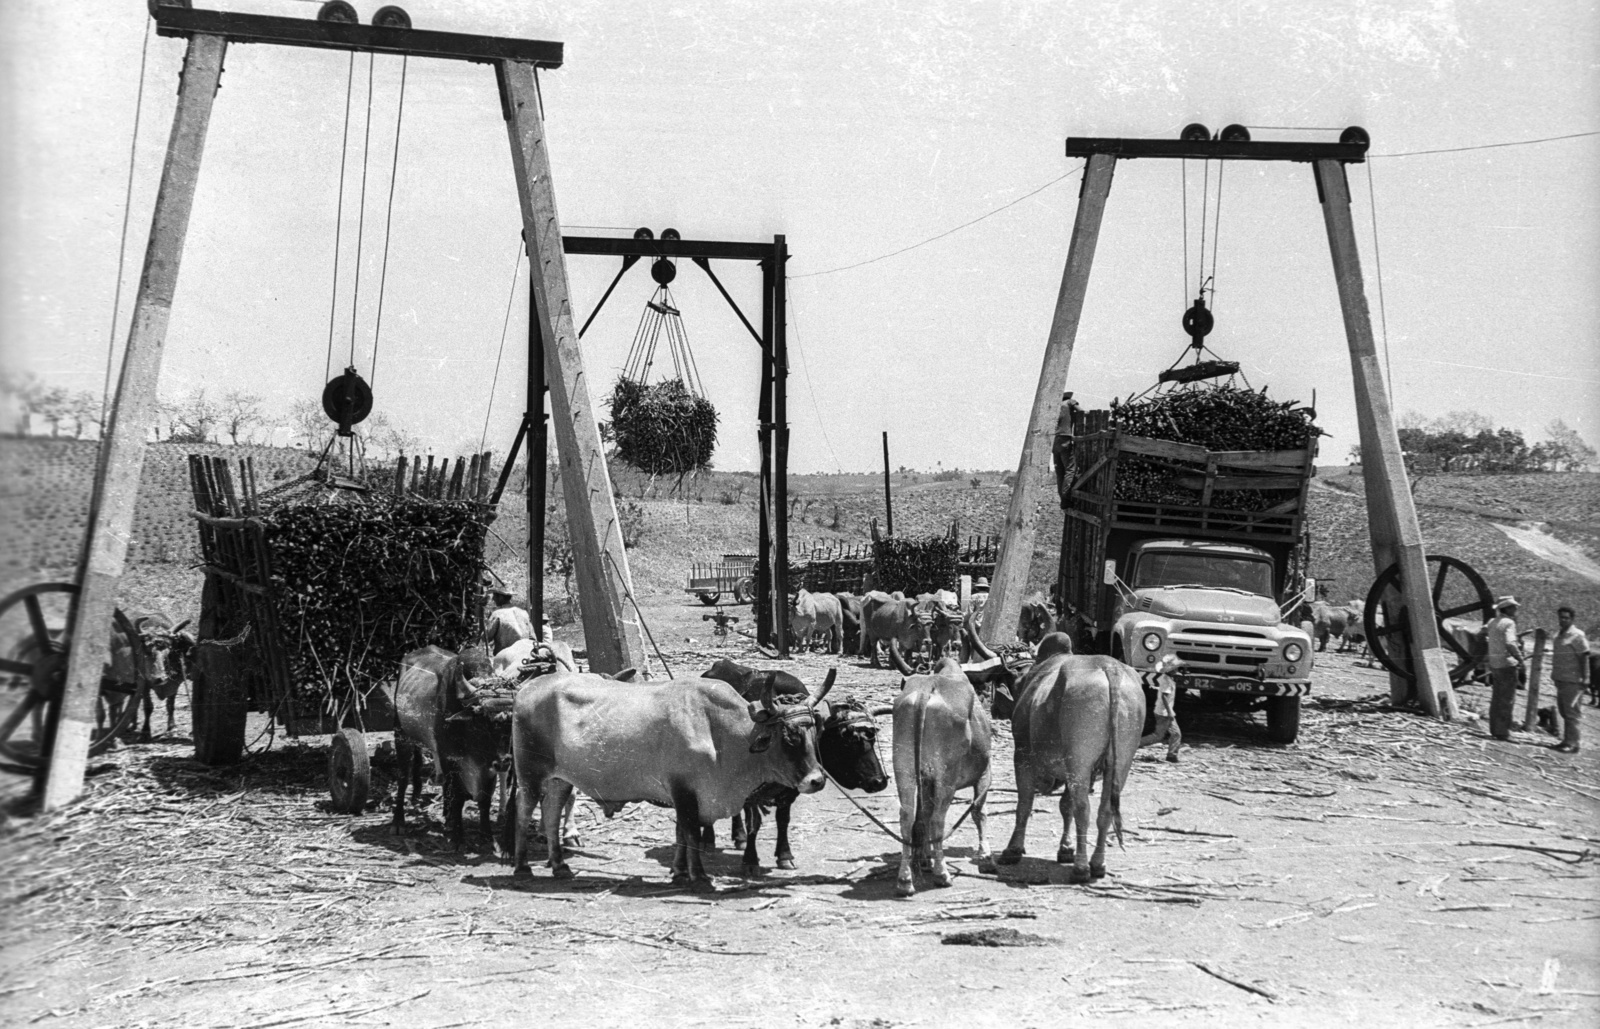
{"type": "Point", "coordinates": [941, 745]}
{"type": "Point", "coordinates": [905, 625]}
{"type": "Point", "coordinates": [510, 662]}
{"type": "Point", "coordinates": [1036, 620]}
{"type": "Point", "coordinates": [846, 746]}
{"type": "Point", "coordinates": [817, 613]}
{"type": "Point", "coordinates": [170, 646]}
{"type": "Point", "coordinates": [432, 713]}
{"type": "Point", "coordinates": [693, 745]}
{"type": "Point", "coordinates": [1330, 620]}
{"type": "Point", "coordinates": [140, 670]}
{"type": "Point", "coordinates": [850, 621]}
{"type": "Point", "coordinates": [1077, 717]}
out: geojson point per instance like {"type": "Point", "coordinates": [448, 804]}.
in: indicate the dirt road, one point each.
{"type": "Point", "coordinates": [1385, 870]}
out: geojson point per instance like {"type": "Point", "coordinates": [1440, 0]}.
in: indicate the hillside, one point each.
{"type": "Point", "coordinates": [45, 488]}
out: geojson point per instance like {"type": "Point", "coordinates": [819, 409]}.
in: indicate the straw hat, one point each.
{"type": "Point", "coordinates": [1501, 603]}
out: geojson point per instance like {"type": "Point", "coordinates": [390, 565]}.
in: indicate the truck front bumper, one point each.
{"type": "Point", "coordinates": [1255, 687]}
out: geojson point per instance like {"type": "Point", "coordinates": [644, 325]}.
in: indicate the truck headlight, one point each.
{"type": "Point", "coordinates": [1293, 652]}
{"type": "Point", "coordinates": [1151, 641]}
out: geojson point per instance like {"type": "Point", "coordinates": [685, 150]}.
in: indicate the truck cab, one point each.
{"type": "Point", "coordinates": [1213, 606]}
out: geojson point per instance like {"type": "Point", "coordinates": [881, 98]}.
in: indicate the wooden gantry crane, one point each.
{"type": "Point", "coordinates": [611, 629]}
{"type": "Point", "coordinates": [1391, 515]}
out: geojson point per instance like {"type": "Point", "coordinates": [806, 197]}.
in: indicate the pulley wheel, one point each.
{"type": "Point", "coordinates": [1355, 134]}
{"type": "Point", "coordinates": [347, 399]}
{"type": "Point", "coordinates": [391, 17]}
{"type": "Point", "coordinates": [1197, 321]}
{"type": "Point", "coordinates": [663, 271]}
{"type": "Point", "coordinates": [338, 11]}
{"type": "Point", "coordinates": [1194, 132]}
{"type": "Point", "coordinates": [1458, 591]}
{"type": "Point", "coordinates": [1236, 134]}
{"type": "Point", "coordinates": [349, 771]}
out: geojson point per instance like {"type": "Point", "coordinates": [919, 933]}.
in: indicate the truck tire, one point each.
{"type": "Point", "coordinates": [1283, 718]}
{"type": "Point", "coordinates": [218, 705]}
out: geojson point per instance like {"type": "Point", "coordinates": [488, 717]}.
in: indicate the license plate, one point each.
{"type": "Point", "coordinates": [1277, 670]}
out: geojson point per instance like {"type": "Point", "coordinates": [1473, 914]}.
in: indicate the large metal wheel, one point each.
{"type": "Point", "coordinates": [349, 771]}
{"type": "Point", "coordinates": [34, 657]}
{"type": "Point", "coordinates": [1458, 592]}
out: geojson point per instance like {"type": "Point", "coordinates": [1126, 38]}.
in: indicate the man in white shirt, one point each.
{"type": "Point", "coordinates": [1505, 660]}
{"type": "Point", "coordinates": [506, 624]}
{"type": "Point", "coordinates": [1569, 669]}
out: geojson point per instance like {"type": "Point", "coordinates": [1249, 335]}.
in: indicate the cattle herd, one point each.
{"type": "Point", "coordinates": [737, 743]}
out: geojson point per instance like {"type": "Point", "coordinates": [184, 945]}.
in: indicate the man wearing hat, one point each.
{"type": "Point", "coordinates": [1505, 659]}
{"type": "Point", "coordinates": [506, 624]}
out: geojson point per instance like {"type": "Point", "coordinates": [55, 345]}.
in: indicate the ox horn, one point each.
{"type": "Point", "coordinates": [898, 660]}
{"type": "Point", "coordinates": [879, 710]}
{"type": "Point", "coordinates": [827, 684]}
{"type": "Point", "coordinates": [979, 645]}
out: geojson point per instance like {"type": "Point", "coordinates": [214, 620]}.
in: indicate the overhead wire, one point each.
{"type": "Point", "coordinates": [122, 245]}
{"type": "Point", "coordinates": [338, 218]}
{"type": "Point", "coordinates": [1377, 256]}
{"type": "Point", "coordinates": [811, 388]}
{"type": "Point", "coordinates": [942, 235]}
{"type": "Point", "coordinates": [1490, 146]}
{"type": "Point", "coordinates": [388, 221]}
{"type": "Point", "coordinates": [505, 327]}
{"type": "Point", "coordinates": [361, 218]}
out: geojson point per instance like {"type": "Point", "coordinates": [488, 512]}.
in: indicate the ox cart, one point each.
{"type": "Point", "coordinates": [316, 589]}
{"type": "Point", "coordinates": [733, 575]}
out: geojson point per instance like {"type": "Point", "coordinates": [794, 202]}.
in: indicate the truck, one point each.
{"type": "Point", "coordinates": [1209, 582]}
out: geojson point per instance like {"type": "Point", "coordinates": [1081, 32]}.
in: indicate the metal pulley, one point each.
{"type": "Point", "coordinates": [347, 399]}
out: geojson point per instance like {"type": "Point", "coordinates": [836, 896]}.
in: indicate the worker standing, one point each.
{"type": "Point", "coordinates": [1569, 669]}
{"type": "Point", "coordinates": [506, 624]}
{"type": "Point", "coordinates": [1505, 659]}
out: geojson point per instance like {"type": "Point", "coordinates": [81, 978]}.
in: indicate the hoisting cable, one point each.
{"type": "Point", "coordinates": [338, 218]}
{"type": "Point", "coordinates": [388, 221]}
{"type": "Point", "coordinates": [505, 325]}
{"type": "Point", "coordinates": [361, 218]}
{"type": "Point", "coordinates": [1216, 234]}
{"type": "Point", "coordinates": [1377, 256]}
{"type": "Point", "coordinates": [1184, 184]}
{"type": "Point", "coordinates": [1205, 202]}
{"type": "Point", "coordinates": [122, 246]}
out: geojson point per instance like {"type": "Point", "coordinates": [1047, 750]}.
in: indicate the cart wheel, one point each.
{"type": "Point", "coordinates": [36, 658]}
{"type": "Point", "coordinates": [744, 591]}
{"type": "Point", "coordinates": [349, 772]}
{"type": "Point", "coordinates": [709, 599]}
{"type": "Point", "coordinates": [1457, 590]}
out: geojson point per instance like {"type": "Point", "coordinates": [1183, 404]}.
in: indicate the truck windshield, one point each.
{"type": "Point", "coordinates": [1226, 571]}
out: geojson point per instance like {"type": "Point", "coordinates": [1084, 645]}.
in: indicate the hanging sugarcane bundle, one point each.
{"type": "Point", "coordinates": [915, 564]}
{"type": "Point", "coordinates": [360, 584]}
{"type": "Point", "coordinates": [662, 428]}
{"type": "Point", "coordinates": [1218, 416]}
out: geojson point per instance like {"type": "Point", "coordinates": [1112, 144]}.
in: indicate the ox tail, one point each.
{"type": "Point", "coordinates": [924, 794]}
{"type": "Point", "coordinates": [1113, 781]}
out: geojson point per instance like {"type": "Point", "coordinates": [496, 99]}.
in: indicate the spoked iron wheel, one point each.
{"type": "Point", "coordinates": [1458, 592]}
{"type": "Point", "coordinates": [35, 646]}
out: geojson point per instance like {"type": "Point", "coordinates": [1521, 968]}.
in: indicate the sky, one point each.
{"type": "Point", "coordinates": [857, 130]}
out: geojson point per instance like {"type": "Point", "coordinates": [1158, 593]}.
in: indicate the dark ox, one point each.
{"type": "Point", "coordinates": [693, 745]}
{"type": "Point", "coordinates": [432, 703]}
{"type": "Point", "coordinates": [906, 625]}
{"type": "Point", "coordinates": [1077, 717]}
{"type": "Point", "coordinates": [850, 621]}
{"type": "Point", "coordinates": [941, 745]}
{"type": "Point", "coordinates": [847, 748]}
{"type": "Point", "coordinates": [170, 646]}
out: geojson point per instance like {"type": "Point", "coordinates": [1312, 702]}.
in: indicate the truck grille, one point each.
{"type": "Point", "coordinates": [1222, 648]}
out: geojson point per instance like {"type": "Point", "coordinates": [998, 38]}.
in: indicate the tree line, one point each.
{"type": "Point", "coordinates": [1467, 441]}
{"type": "Point", "coordinates": [34, 407]}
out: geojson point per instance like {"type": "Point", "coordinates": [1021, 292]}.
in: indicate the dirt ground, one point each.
{"type": "Point", "coordinates": [1385, 869]}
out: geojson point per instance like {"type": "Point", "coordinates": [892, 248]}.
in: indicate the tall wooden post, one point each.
{"type": "Point", "coordinates": [1010, 578]}
{"type": "Point", "coordinates": [121, 463]}
{"type": "Point", "coordinates": [761, 603]}
{"type": "Point", "coordinates": [1391, 514]}
{"type": "Point", "coordinates": [1530, 714]}
{"type": "Point", "coordinates": [538, 456]}
{"type": "Point", "coordinates": [888, 496]}
{"type": "Point", "coordinates": [780, 460]}
{"type": "Point", "coordinates": [610, 628]}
